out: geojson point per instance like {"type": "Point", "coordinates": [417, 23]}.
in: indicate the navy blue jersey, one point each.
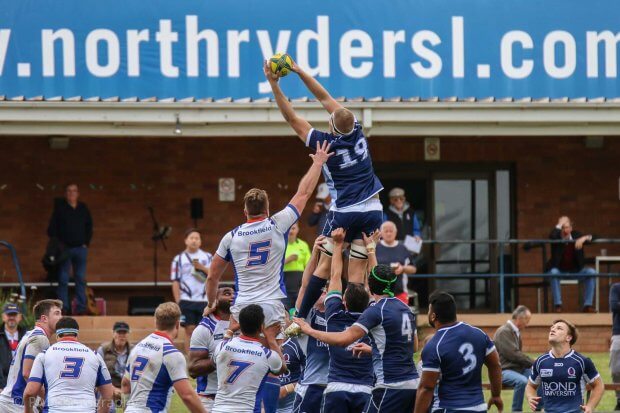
{"type": "Point", "coordinates": [317, 353]}
{"type": "Point", "coordinates": [295, 360]}
{"type": "Point", "coordinates": [349, 173]}
{"type": "Point", "coordinates": [561, 378]}
{"type": "Point", "coordinates": [343, 366]}
{"type": "Point", "coordinates": [392, 327]}
{"type": "Point", "coordinates": [458, 353]}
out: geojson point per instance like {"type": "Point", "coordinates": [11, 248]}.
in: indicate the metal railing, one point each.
{"type": "Point", "coordinates": [497, 255]}
{"type": "Point", "coordinates": [18, 270]}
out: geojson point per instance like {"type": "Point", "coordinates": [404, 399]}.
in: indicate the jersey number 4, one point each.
{"type": "Point", "coordinates": [467, 350]}
{"type": "Point", "coordinates": [73, 367]}
{"type": "Point", "coordinates": [406, 328]}
{"type": "Point", "coordinates": [236, 369]}
{"type": "Point", "coordinates": [259, 253]}
{"type": "Point", "coordinates": [349, 159]}
{"type": "Point", "coordinates": [138, 367]}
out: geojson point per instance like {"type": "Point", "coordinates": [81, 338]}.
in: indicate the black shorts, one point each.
{"type": "Point", "coordinates": [191, 312]}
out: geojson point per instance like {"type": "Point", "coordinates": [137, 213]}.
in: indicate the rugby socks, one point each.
{"type": "Point", "coordinates": [314, 289]}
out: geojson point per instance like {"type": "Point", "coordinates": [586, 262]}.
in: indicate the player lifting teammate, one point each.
{"type": "Point", "coordinates": [349, 175]}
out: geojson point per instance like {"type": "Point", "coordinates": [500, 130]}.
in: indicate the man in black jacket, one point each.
{"type": "Point", "coordinates": [10, 334]}
{"type": "Point", "coordinates": [567, 259]}
{"type": "Point", "coordinates": [72, 224]}
{"type": "Point", "coordinates": [402, 215]}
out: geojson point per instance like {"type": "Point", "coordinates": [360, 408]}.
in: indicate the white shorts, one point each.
{"type": "Point", "coordinates": [10, 407]}
{"type": "Point", "coordinates": [207, 402]}
{"type": "Point", "coordinates": [273, 309]}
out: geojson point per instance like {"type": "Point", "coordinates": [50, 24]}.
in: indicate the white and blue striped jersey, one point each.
{"type": "Point", "coordinates": [70, 372]}
{"type": "Point", "coordinates": [243, 365]}
{"type": "Point", "coordinates": [192, 287]}
{"type": "Point", "coordinates": [34, 342]}
{"type": "Point", "coordinates": [561, 380]}
{"type": "Point", "coordinates": [154, 365]}
{"type": "Point", "coordinates": [349, 174]}
{"type": "Point", "coordinates": [317, 352]}
{"type": "Point", "coordinates": [208, 334]}
{"type": "Point", "coordinates": [392, 328]}
{"type": "Point", "coordinates": [256, 250]}
{"type": "Point", "coordinates": [458, 353]}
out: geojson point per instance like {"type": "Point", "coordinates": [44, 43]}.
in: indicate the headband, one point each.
{"type": "Point", "coordinates": [387, 289]}
{"type": "Point", "coordinates": [67, 331]}
{"type": "Point", "coordinates": [331, 120]}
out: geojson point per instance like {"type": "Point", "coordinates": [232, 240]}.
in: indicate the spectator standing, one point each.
{"type": "Point", "coordinates": [296, 258]}
{"type": "Point", "coordinates": [321, 207]}
{"type": "Point", "coordinates": [567, 260]}
{"type": "Point", "coordinates": [188, 274]}
{"type": "Point", "coordinates": [392, 252]}
{"type": "Point", "coordinates": [516, 365]}
{"type": "Point", "coordinates": [72, 224]}
{"type": "Point", "coordinates": [10, 334]}
{"type": "Point", "coordinates": [402, 215]}
{"type": "Point", "coordinates": [614, 360]}
{"type": "Point", "coordinates": [115, 354]}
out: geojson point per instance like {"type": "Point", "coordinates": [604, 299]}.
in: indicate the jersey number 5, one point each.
{"type": "Point", "coordinates": [73, 367]}
{"type": "Point", "coordinates": [467, 350]}
{"type": "Point", "coordinates": [138, 367]}
{"type": "Point", "coordinates": [259, 252]}
{"type": "Point", "coordinates": [236, 369]}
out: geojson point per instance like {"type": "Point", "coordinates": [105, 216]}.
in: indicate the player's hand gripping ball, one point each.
{"type": "Point", "coordinates": [281, 64]}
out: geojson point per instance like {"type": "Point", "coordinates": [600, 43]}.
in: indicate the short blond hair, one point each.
{"type": "Point", "coordinates": [256, 201]}
{"type": "Point", "coordinates": [167, 315]}
{"type": "Point", "coordinates": [344, 121]}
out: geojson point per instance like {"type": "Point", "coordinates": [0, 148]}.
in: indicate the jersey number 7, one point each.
{"type": "Point", "coordinates": [236, 369]}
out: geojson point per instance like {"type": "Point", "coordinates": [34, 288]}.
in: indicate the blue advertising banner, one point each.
{"type": "Point", "coordinates": [207, 48]}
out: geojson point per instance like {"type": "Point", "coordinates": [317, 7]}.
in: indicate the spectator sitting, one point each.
{"type": "Point", "coordinates": [296, 258]}
{"type": "Point", "coordinates": [614, 360]}
{"type": "Point", "coordinates": [321, 207]}
{"type": "Point", "coordinates": [115, 354]}
{"type": "Point", "coordinates": [567, 259]}
{"type": "Point", "coordinates": [72, 224]}
{"type": "Point", "coordinates": [516, 365]}
{"type": "Point", "coordinates": [188, 274]}
{"type": "Point", "coordinates": [402, 215]}
{"type": "Point", "coordinates": [393, 253]}
{"type": "Point", "coordinates": [10, 334]}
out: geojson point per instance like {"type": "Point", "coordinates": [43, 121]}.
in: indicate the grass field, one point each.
{"type": "Point", "coordinates": [601, 360]}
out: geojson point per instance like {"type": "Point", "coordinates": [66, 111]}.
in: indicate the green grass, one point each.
{"type": "Point", "coordinates": [601, 361]}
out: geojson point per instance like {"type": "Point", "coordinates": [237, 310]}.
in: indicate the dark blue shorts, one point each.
{"type": "Point", "coordinates": [344, 402]}
{"type": "Point", "coordinates": [391, 401]}
{"type": "Point", "coordinates": [353, 222]}
{"type": "Point", "coordinates": [311, 402]}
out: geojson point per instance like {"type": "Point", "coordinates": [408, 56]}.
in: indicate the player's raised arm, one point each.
{"type": "Point", "coordinates": [322, 95]}
{"type": "Point", "coordinates": [299, 124]}
{"type": "Point", "coordinates": [217, 268]}
{"type": "Point", "coordinates": [335, 281]}
{"type": "Point", "coordinates": [311, 178]}
{"type": "Point", "coordinates": [341, 338]}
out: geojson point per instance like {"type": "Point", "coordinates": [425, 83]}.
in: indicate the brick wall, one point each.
{"type": "Point", "coordinates": [119, 177]}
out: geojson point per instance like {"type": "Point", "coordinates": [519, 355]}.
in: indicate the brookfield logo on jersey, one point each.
{"type": "Point", "coordinates": [571, 372]}
{"type": "Point", "coordinates": [546, 372]}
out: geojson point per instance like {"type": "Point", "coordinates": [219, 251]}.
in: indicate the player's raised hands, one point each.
{"type": "Point", "coordinates": [305, 327]}
{"type": "Point", "coordinates": [322, 153]}
{"type": "Point", "coordinates": [271, 77]}
{"type": "Point", "coordinates": [319, 242]}
{"type": "Point", "coordinates": [372, 238]}
{"type": "Point", "coordinates": [338, 236]}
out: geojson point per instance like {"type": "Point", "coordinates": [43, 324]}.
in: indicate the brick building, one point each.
{"type": "Point", "coordinates": [504, 170]}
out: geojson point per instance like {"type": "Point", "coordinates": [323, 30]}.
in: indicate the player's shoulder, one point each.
{"type": "Point", "coordinates": [208, 324]}
{"type": "Point", "coordinates": [542, 358]}
{"type": "Point", "coordinates": [581, 358]}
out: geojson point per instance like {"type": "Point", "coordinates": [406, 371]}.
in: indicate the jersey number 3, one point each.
{"type": "Point", "coordinates": [467, 350]}
{"type": "Point", "coordinates": [73, 367]}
